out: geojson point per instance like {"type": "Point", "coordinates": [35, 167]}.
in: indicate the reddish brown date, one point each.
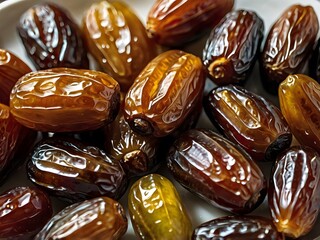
{"type": "Point", "coordinates": [233, 46]}
{"type": "Point", "coordinates": [23, 212]}
{"type": "Point", "coordinates": [52, 38]}
{"type": "Point", "coordinates": [294, 191]}
{"type": "Point", "coordinates": [217, 170]}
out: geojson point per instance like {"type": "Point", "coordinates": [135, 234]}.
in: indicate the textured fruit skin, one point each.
{"type": "Point", "coordinates": [288, 45]}
{"type": "Point", "coordinates": [233, 47]}
{"type": "Point", "coordinates": [165, 93]}
{"type": "Point", "coordinates": [217, 170]}
{"type": "Point", "coordinates": [52, 38]}
{"type": "Point", "coordinates": [294, 191]}
{"type": "Point", "coordinates": [98, 218]}
{"type": "Point", "coordinates": [74, 171]}
{"type": "Point", "coordinates": [249, 120]}
{"type": "Point", "coordinates": [173, 23]}
{"type": "Point", "coordinates": [299, 97]}
{"type": "Point", "coordinates": [118, 41]}
{"type": "Point", "coordinates": [156, 210]}
{"type": "Point", "coordinates": [237, 227]}
{"type": "Point", "coordinates": [65, 100]}
{"type": "Point", "coordinates": [23, 212]}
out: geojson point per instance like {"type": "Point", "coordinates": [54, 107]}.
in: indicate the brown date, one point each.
{"type": "Point", "coordinates": [99, 218]}
{"type": "Point", "coordinates": [233, 46]}
{"type": "Point", "coordinates": [23, 212]}
{"type": "Point", "coordinates": [294, 191]}
{"type": "Point", "coordinates": [288, 45]}
{"type": "Point", "coordinates": [174, 23]}
{"type": "Point", "coordinates": [52, 38]}
{"type": "Point", "coordinates": [65, 100]}
{"type": "Point", "coordinates": [217, 170]}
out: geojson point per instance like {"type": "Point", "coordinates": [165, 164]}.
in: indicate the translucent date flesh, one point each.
{"type": "Point", "coordinates": [98, 218]}
{"type": "Point", "coordinates": [156, 210]}
{"type": "Point", "coordinates": [65, 100]}
{"type": "Point", "coordinates": [294, 191]}
{"type": "Point", "coordinates": [216, 170]}
{"type": "Point", "coordinates": [233, 46]}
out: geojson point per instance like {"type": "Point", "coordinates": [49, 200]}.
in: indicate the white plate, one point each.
{"type": "Point", "coordinates": [199, 210]}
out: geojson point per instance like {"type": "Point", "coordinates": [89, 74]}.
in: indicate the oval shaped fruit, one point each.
{"type": "Point", "coordinates": [288, 45]}
{"type": "Point", "coordinates": [98, 218]}
{"type": "Point", "coordinates": [249, 120]}
{"type": "Point", "coordinates": [217, 170]}
{"type": "Point", "coordinates": [52, 38]}
{"type": "Point", "coordinates": [165, 93]}
{"type": "Point", "coordinates": [156, 210]}
{"type": "Point", "coordinates": [65, 100]}
{"type": "Point", "coordinates": [23, 212]}
{"type": "Point", "coordinates": [174, 23]}
{"type": "Point", "coordinates": [233, 47]}
{"type": "Point", "coordinates": [294, 191]}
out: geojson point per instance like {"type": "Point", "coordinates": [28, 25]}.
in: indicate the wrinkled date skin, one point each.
{"type": "Point", "coordinates": [237, 227]}
{"type": "Point", "coordinates": [173, 23]}
{"type": "Point", "coordinates": [248, 120]}
{"type": "Point", "coordinates": [52, 38]}
{"type": "Point", "coordinates": [294, 191]}
{"type": "Point", "coordinates": [156, 210]}
{"type": "Point", "coordinates": [165, 93]}
{"type": "Point", "coordinates": [233, 47]}
{"type": "Point", "coordinates": [216, 170]}
{"type": "Point", "coordinates": [288, 45]}
{"type": "Point", "coordinates": [98, 218]}
{"type": "Point", "coordinates": [299, 97]}
{"type": "Point", "coordinates": [65, 100]}
{"type": "Point", "coordinates": [121, 47]}
{"type": "Point", "coordinates": [23, 212]}
{"type": "Point", "coordinates": [11, 69]}
{"type": "Point", "coordinates": [74, 171]}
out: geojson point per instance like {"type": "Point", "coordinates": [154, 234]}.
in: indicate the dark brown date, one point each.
{"type": "Point", "coordinates": [294, 191]}
{"type": "Point", "coordinates": [233, 46]}
{"type": "Point", "coordinates": [52, 38]}
{"type": "Point", "coordinates": [23, 212]}
{"type": "Point", "coordinates": [217, 170]}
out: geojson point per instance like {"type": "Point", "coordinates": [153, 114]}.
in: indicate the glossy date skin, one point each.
{"type": "Point", "coordinates": [23, 212]}
{"type": "Point", "coordinates": [233, 47]}
{"type": "Point", "coordinates": [65, 100]}
{"type": "Point", "coordinates": [294, 191]}
{"type": "Point", "coordinates": [98, 218]}
{"type": "Point", "coordinates": [174, 23]}
{"type": "Point", "coordinates": [217, 170]}
{"type": "Point", "coordinates": [51, 38]}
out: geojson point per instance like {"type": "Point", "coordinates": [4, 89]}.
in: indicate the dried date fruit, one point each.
{"type": "Point", "coordinates": [299, 97]}
{"type": "Point", "coordinates": [288, 45]}
{"type": "Point", "coordinates": [233, 47]}
{"type": "Point", "coordinates": [314, 63]}
{"type": "Point", "coordinates": [52, 38]}
{"type": "Point", "coordinates": [174, 23]}
{"type": "Point", "coordinates": [23, 212]}
{"type": "Point", "coordinates": [99, 218]}
{"type": "Point", "coordinates": [156, 210]}
{"type": "Point", "coordinates": [217, 170]}
{"type": "Point", "coordinates": [118, 41]}
{"type": "Point", "coordinates": [249, 120]}
{"type": "Point", "coordinates": [294, 191]}
{"type": "Point", "coordinates": [74, 171]}
{"type": "Point", "coordinates": [165, 93]}
{"type": "Point", "coordinates": [65, 100]}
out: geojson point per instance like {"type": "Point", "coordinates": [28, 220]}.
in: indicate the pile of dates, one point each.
{"type": "Point", "coordinates": [124, 129]}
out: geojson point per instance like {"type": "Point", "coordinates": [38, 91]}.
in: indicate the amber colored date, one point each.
{"type": "Point", "coordinates": [52, 38]}
{"type": "Point", "coordinates": [233, 47]}
{"type": "Point", "coordinates": [23, 212]}
{"type": "Point", "coordinates": [294, 191]}
{"type": "Point", "coordinates": [173, 23]}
